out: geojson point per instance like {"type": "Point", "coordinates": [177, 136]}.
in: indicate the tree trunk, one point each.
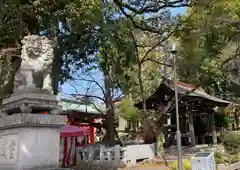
{"type": "Point", "coordinates": [56, 67]}
{"type": "Point", "coordinates": [110, 135]}
{"type": "Point", "coordinates": [144, 107]}
{"type": "Point", "coordinates": [236, 115]}
{"type": "Point", "coordinates": [58, 51]}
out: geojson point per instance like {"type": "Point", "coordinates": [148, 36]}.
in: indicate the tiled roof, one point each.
{"type": "Point", "coordinates": [199, 92]}
{"type": "Point", "coordinates": [78, 106]}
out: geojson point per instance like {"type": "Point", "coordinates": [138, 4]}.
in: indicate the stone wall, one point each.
{"type": "Point", "coordinates": [133, 153]}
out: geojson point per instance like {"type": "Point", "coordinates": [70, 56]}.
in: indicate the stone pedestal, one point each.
{"type": "Point", "coordinates": [30, 141]}
{"type": "Point", "coordinates": [30, 100]}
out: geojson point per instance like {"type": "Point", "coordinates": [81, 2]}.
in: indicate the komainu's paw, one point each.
{"type": "Point", "coordinates": [49, 89]}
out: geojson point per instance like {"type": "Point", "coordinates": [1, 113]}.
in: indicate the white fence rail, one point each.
{"type": "Point", "coordinates": [133, 153]}
{"type": "Point", "coordinates": [98, 155]}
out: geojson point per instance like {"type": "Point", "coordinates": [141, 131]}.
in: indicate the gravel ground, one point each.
{"type": "Point", "coordinates": [147, 168]}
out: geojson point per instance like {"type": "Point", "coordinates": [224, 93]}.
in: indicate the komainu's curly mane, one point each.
{"type": "Point", "coordinates": [36, 66]}
{"type": "Point", "coordinates": [37, 48]}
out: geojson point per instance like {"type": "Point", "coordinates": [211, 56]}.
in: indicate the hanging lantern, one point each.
{"type": "Point", "coordinates": [44, 113]}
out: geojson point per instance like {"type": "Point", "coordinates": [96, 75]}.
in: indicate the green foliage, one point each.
{"type": "Point", "coordinates": [235, 157]}
{"type": "Point", "coordinates": [130, 59]}
{"type": "Point", "coordinates": [160, 142]}
{"type": "Point", "coordinates": [5, 72]}
{"type": "Point", "coordinates": [90, 33]}
{"type": "Point", "coordinates": [186, 165]}
{"type": "Point", "coordinates": [226, 158]}
{"type": "Point", "coordinates": [222, 120]}
{"type": "Point", "coordinates": [219, 157]}
{"type": "Point", "coordinates": [143, 67]}
{"type": "Point", "coordinates": [11, 27]}
{"type": "Point", "coordinates": [205, 38]}
{"type": "Point", "coordinates": [116, 48]}
{"type": "Point", "coordinates": [127, 111]}
{"type": "Point", "coordinates": [77, 38]}
{"type": "Point", "coordinates": [231, 142]}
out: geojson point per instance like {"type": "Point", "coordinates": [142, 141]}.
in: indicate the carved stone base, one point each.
{"type": "Point", "coordinates": [31, 100]}
{"type": "Point", "coordinates": [30, 141]}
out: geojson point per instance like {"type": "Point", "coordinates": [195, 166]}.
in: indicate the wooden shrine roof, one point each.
{"type": "Point", "coordinates": [165, 92]}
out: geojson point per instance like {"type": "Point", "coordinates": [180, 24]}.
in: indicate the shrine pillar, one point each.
{"type": "Point", "coordinates": [168, 127]}
{"type": "Point", "coordinates": [191, 128]}
{"type": "Point", "coordinates": [213, 128]}
{"type": "Point", "coordinates": [92, 133]}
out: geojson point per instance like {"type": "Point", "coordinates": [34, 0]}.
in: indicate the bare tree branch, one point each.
{"type": "Point", "coordinates": [136, 25]}
{"type": "Point", "coordinates": [118, 96]}
{"type": "Point", "coordinates": [158, 62]}
{"type": "Point", "coordinates": [152, 9]}
{"type": "Point", "coordinates": [11, 51]}
{"type": "Point", "coordinates": [94, 105]}
{"type": "Point", "coordinates": [84, 95]}
{"type": "Point", "coordinates": [166, 37]}
{"type": "Point", "coordinates": [223, 64]}
{"type": "Point", "coordinates": [92, 80]}
{"type": "Point", "coordinates": [80, 97]}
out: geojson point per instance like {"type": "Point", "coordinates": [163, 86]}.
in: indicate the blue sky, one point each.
{"type": "Point", "coordinates": [177, 11]}
{"type": "Point", "coordinates": [81, 86]}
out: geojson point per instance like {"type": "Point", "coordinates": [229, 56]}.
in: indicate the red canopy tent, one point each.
{"type": "Point", "coordinates": [69, 130]}
{"type": "Point", "coordinates": [70, 138]}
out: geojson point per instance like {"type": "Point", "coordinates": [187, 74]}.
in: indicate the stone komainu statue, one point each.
{"type": "Point", "coordinates": [36, 66]}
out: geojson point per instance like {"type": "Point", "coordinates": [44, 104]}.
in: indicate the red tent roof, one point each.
{"type": "Point", "coordinates": [69, 130]}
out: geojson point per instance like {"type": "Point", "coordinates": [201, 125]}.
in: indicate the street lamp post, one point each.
{"type": "Point", "coordinates": [178, 133]}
